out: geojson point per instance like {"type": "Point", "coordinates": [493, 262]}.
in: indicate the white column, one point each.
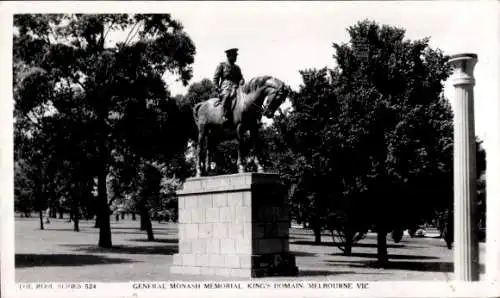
{"type": "Point", "coordinates": [466, 246]}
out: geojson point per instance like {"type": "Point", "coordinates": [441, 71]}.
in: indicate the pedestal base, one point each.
{"type": "Point", "coordinates": [234, 226]}
{"type": "Point", "coordinates": [262, 266]}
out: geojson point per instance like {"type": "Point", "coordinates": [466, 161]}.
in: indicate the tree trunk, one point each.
{"type": "Point", "coordinates": [40, 212]}
{"type": "Point", "coordinates": [123, 215]}
{"type": "Point", "coordinates": [96, 224]}
{"type": "Point", "coordinates": [348, 242]}
{"type": "Point", "coordinates": [103, 211]}
{"type": "Point", "coordinates": [382, 257]}
{"type": "Point", "coordinates": [53, 213]}
{"type": "Point", "coordinates": [143, 220]}
{"type": "Point", "coordinates": [76, 219]}
{"type": "Point", "coordinates": [61, 213]}
{"type": "Point", "coordinates": [75, 206]}
{"type": "Point", "coordinates": [133, 216]}
{"type": "Point", "coordinates": [149, 227]}
{"type": "Point", "coordinates": [317, 232]}
{"type": "Point", "coordinates": [117, 217]}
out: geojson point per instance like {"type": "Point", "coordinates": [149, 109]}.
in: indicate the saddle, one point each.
{"type": "Point", "coordinates": [220, 101]}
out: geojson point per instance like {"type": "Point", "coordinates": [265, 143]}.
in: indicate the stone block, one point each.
{"type": "Point", "coordinates": [218, 182]}
{"type": "Point", "coordinates": [205, 201]}
{"type": "Point", "coordinates": [259, 231]}
{"type": "Point", "coordinates": [238, 181]}
{"type": "Point", "coordinates": [227, 246]}
{"type": "Point", "coordinates": [177, 269]}
{"type": "Point", "coordinates": [177, 259]}
{"type": "Point", "coordinates": [192, 270]}
{"type": "Point", "coordinates": [180, 202]}
{"type": "Point", "coordinates": [247, 199]}
{"type": "Point", "coordinates": [216, 260]}
{"type": "Point", "coordinates": [236, 230]}
{"type": "Point", "coordinates": [285, 244]}
{"type": "Point", "coordinates": [245, 261]}
{"type": "Point", "coordinates": [241, 272]}
{"type": "Point", "coordinates": [268, 246]}
{"type": "Point", "coordinates": [224, 221]}
{"type": "Point", "coordinates": [198, 215]}
{"type": "Point", "coordinates": [191, 231]}
{"type": "Point", "coordinates": [181, 231]}
{"type": "Point", "coordinates": [207, 271]}
{"type": "Point", "coordinates": [212, 214]}
{"type": "Point", "coordinates": [205, 230]}
{"type": "Point", "coordinates": [232, 261]}
{"type": "Point", "coordinates": [243, 246]}
{"type": "Point", "coordinates": [220, 230]}
{"type": "Point", "coordinates": [222, 271]}
{"type": "Point", "coordinates": [247, 230]}
{"type": "Point", "coordinates": [271, 230]}
{"type": "Point", "coordinates": [191, 202]}
{"type": "Point", "coordinates": [184, 216]}
{"type": "Point", "coordinates": [200, 246]}
{"type": "Point", "coordinates": [188, 259]}
{"type": "Point", "coordinates": [219, 199]}
{"type": "Point", "coordinates": [244, 214]}
{"type": "Point", "coordinates": [235, 199]}
{"type": "Point", "coordinates": [213, 246]}
{"type": "Point", "coordinates": [283, 229]}
{"type": "Point", "coordinates": [185, 247]}
{"type": "Point", "coordinates": [202, 260]}
{"type": "Point", "coordinates": [226, 214]}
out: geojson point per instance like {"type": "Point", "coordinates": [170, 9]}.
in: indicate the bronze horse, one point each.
{"type": "Point", "coordinates": [247, 110]}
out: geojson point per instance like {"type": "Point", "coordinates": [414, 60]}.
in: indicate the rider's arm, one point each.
{"type": "Point", "coordinates": [218, 75]}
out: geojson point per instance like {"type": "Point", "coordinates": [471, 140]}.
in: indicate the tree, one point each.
{"type": "Point", "coordinates": [401, 126]}
{"type": "Point", "coordinates": [33, 145]}
{"type": "Point", "coordinates": [304, 159]}
{"type": "Point", "coordinates": [120, 86]}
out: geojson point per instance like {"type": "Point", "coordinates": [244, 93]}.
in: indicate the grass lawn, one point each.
{"type": "Point", "coordinates": [59, 254]}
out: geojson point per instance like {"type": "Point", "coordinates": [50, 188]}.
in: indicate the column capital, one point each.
{"type": "Point", "coordinates": [463, 68]}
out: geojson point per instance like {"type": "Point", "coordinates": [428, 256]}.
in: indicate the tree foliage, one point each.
{"type": "Point", "coordinates": [370, 141]}
{"type": "Point", "coordinates": [108, 102]}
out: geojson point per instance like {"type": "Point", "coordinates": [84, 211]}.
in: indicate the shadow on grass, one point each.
{"type": "Point", "coordinates": [171, 241]}
{"type": "Point", "coordinates": [113, 227]}
{"type": "Point", "coordinates": [126, 249]}
{"type": "Point", "coordinates": [391, 256]}
{"type": "Point", "coordinates": [303, 254]}
{"type": "Point", "coordinates": [47, 260]}
{"type": "Point", "coordinates": [304, 242]}
{"type": "Point", "coordinates": [333, 272]}
{"type": "Point", "coordinates": [402, 265]}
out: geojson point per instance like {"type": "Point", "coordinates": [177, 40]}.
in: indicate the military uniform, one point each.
{"type": "Point", "coordinates": [227, 78]}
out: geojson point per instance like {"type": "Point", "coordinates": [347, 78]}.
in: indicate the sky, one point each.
{"type": "Point", "coordinates": [281, 38]}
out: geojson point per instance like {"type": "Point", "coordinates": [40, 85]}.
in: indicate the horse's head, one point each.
{"type": "Point", "coordinates": [276, 96]}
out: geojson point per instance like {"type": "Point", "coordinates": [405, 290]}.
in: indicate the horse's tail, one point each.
{"type": "Point", "coordinates": [196, 108]}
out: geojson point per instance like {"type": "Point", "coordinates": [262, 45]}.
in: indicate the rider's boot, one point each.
{"type": "Point", "coordinates": [227, 110]}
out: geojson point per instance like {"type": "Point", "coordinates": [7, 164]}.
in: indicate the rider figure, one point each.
{"type": "Point", "coordinates": [226, 79]}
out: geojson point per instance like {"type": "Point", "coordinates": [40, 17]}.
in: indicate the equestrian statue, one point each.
{"type": "Point", "coordinates": [239, 107]}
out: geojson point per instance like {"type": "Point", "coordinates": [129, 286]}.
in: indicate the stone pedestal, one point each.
{"type": "Point", "coordinates": [466, 245]}
{"type": "Point", "coordinates": [234, 225]}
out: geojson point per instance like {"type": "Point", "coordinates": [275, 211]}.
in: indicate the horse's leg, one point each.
{"type": "Point", "coordinates": [254, 135]}
{"type": "Point", "coordinates": [239, 134]}
{"type": "Point", "coordinates": [201, 149]}
{"type": "Point", "coordinates": [207, 154]}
